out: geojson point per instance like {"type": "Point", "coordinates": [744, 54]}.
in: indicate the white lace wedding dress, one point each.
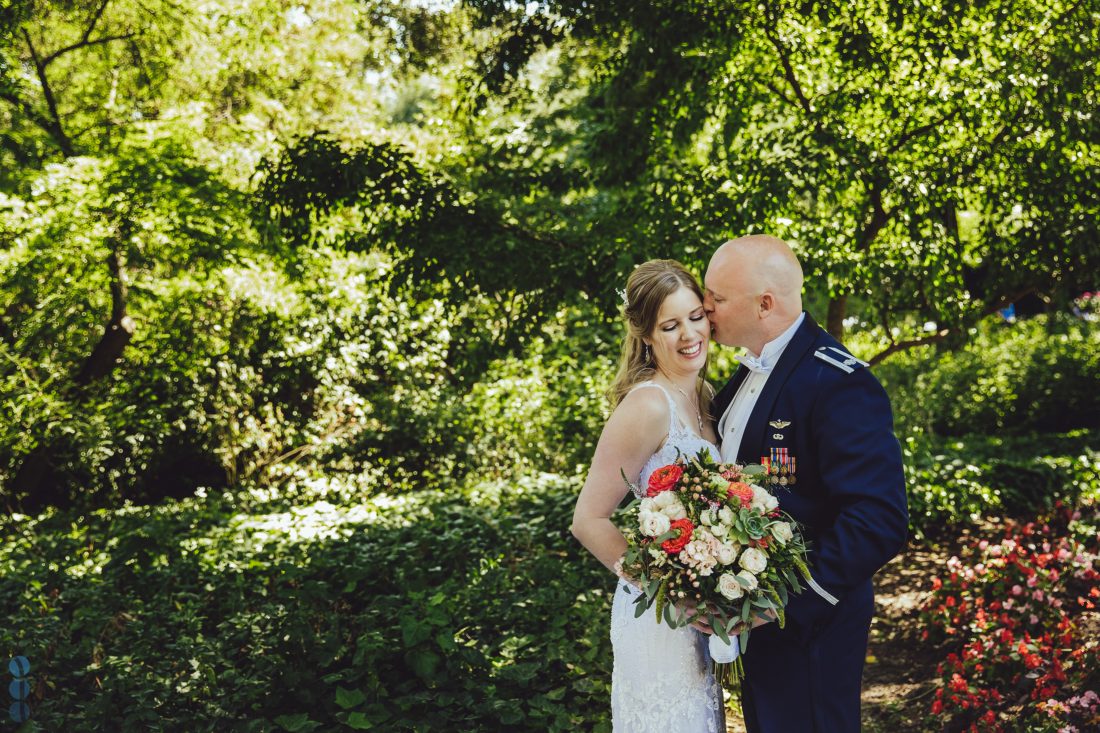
{"type": "Point", "coordinates": [661, 681]}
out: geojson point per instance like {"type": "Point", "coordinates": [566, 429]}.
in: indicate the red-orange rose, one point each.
{"type": "Point", "coordinates": [742, 491]}
{"type": "Point", "coordinates": [663, 479]}
{"type": "Point", "coordinates": [674, 545]}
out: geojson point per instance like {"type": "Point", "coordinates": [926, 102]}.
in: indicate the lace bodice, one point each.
{"type": "Point", "coordinates": [681, 440]}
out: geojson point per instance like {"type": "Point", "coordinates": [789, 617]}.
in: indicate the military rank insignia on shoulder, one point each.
{"type": "Point", "coordinates": [839, 358]}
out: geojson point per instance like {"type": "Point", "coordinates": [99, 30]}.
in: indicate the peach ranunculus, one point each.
{"type": "Point", "coordinates": [742, 491]}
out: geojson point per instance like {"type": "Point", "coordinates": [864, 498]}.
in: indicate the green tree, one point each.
{"type": "Point", "coordinates": [900, 147]}
{"type": "Point", "coordinates": [95, 232]}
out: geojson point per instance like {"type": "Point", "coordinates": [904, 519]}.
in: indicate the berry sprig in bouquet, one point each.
{"type": "Point", "coordinates": [710, 543]}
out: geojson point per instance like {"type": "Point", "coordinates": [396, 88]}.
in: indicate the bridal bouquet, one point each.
{"type": "Point", "coordinates": [711, 536]}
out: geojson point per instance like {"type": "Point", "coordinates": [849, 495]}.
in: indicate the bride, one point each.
{"type": "Point", "coordinates": [661, 679]}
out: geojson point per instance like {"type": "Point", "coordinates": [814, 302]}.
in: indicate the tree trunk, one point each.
{"type": "Point", "coordinates": [834, 320]}
{"type": "Point", "coordinates": [119, 329]}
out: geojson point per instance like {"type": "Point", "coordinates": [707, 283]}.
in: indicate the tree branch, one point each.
{"type": "Point", "coordinates": [909, 344]}
{"type": "Point", "coordinates": [95, 19]}
{"type": "Point", "coordinates": [778, 92]}
{"type": "Point", "coordinates": [879, 216]}
{"type": "Point", "coordinates": [909, 135]}
{"type": "Point", "coordinates": [53, 123]}
{"type": "Point", "coordinates": [940, 335]}
{"type": "Point", "coordinates": [788, 70]}
{"type": "Point", "coordinates": [120, 327]}
{"type": "Point", "coordinates": [27, 110]}
{"type": "Point", "coordinates": [85, 44]}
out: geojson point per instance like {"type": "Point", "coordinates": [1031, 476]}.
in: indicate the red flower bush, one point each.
{"type": "Point", "coordinates": [1009, 616]}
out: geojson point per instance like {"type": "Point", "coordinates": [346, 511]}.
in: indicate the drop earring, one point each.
{"type": "Point", "coordinates": [646, 346]}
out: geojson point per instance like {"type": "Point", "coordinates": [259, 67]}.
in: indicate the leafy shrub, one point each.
{"type": "Point", "coordinates": [952, 481]}
{"type": "Point", "coordinates": [1010, 379]}
{"type": "Point", "coordinates": [437, 610]}
{"type": "Point", "coordinates": [544, 410]}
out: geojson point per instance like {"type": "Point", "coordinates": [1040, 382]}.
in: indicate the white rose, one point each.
{"type": "Point", "coordinates": [725, 515]}
{"type": "Point", "coordinates": [704, 534]}
{"type": "Point", "coordinates": [720, 530]}
{"type": "Point", "coordinates": [653, 524]}
{"type": "Point", "coordinates": [726, 553]}
{"type": "Point", "coordinates": [648, 505]}
{"type": "Point", "coordinates": [673, 509]}
{"type": "Point", "coordinates": [662, 500]}
{"type": "Point", "coordinates": [782, 532]}
{"type": "Point", "coordinates": [762, 500]}
{"type": "Point", "coordinates": [754, 560]}
{"type": "Point", "coordinates": [729, 587]}
{"type": "Point", "coordinates": [749, 582]}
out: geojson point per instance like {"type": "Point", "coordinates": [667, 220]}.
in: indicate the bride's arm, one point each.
{"type": "Point", "coordinates": [633, 433]}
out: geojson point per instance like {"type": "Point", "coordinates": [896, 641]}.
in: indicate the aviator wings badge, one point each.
{"type": "Point", "coordinates": [779, 424]}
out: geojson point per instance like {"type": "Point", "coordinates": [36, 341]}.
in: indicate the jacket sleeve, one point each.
{"type": "Point", "coordinates": [863, 484]}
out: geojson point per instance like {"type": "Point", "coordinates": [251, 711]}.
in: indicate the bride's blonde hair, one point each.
{"type": "Point", "coordinates": [646, 289]}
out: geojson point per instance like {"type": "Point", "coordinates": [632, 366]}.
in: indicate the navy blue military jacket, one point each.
{"type": "Point", "coordinates": [822, 413]}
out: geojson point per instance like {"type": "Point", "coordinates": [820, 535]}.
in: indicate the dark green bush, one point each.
{"type": "Point", "coordinates": [1008, 379]}
{"type": "Point", "coordinates": [457, 610]}
{"type": "Point", "coordinates": [962, 480]}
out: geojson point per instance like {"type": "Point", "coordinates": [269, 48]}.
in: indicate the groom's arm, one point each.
{"type": "Point", "coordinates": [862, 482]}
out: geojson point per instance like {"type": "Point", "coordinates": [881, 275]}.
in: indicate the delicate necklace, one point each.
{"type": "Point", "coordinates": [698, 413]}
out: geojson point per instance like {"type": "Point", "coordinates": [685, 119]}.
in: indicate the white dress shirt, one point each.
{"type": "Point", "coordinates": [732, 425]}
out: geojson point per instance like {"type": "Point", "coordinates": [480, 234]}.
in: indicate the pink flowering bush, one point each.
{"type": "Point", "coordinates": [1016, 615]}
{"type": "Point", "coordinates": [1087, 306]}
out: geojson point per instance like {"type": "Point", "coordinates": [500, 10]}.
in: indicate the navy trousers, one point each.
{"type": "Point", "coordinates": [800, 680]}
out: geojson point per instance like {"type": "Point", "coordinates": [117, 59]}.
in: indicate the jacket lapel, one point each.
{"type": "Point", "coordinates": [752, 443]}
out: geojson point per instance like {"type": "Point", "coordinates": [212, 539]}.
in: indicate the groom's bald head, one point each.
{"type": "Point", "coordinates": [765, 260]}
{"type": "Point", "coordinates": [754, 290]}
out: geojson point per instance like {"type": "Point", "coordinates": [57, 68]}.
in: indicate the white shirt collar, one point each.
{"type": "Point", "coordinates": [772, 350]}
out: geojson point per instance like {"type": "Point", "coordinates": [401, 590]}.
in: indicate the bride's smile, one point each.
{"type": "Point", "coordinates": [692, 351]}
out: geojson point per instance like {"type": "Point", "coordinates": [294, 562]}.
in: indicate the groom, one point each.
{"type": "Point", "coordinates": [805, 405]}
